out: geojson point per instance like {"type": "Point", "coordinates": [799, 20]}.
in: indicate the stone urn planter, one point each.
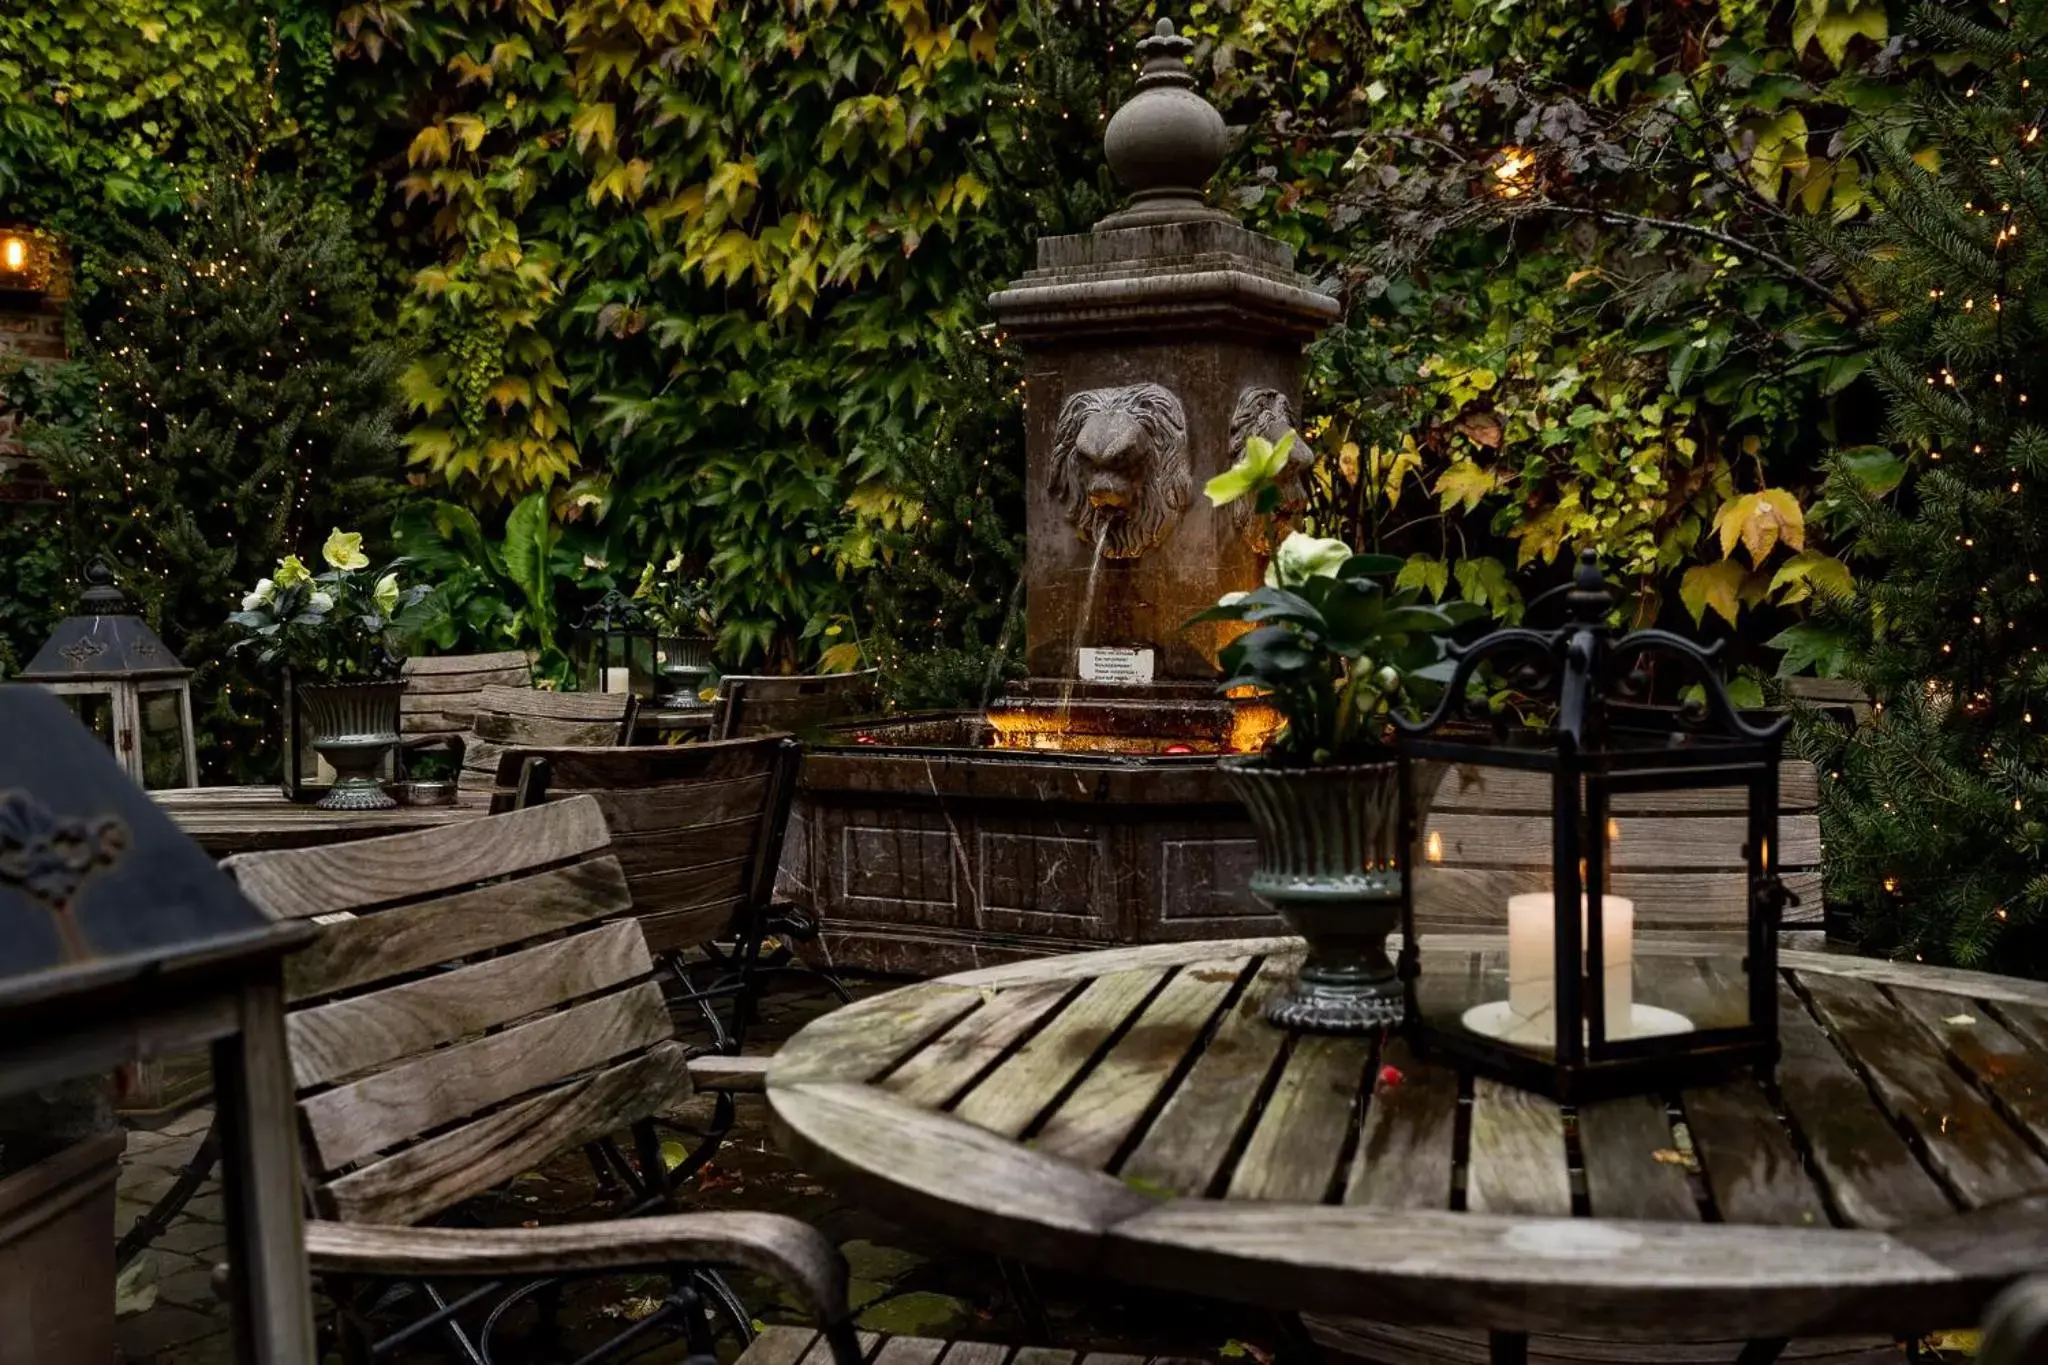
{"type": "Point", "coordinates": [57, 1253]}
{"type": "Point", "coordinates": [1331, 863]}
{"type": "Point", "coordinates": [354, 727]}
{"type": "Point", "coordinates": [685, 665]}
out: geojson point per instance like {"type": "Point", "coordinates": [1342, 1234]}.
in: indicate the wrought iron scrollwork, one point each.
{"type": "Point", "coordinates": [1583, 666]}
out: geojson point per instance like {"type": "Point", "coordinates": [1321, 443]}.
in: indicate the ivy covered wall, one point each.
{"type": "Point", "coordinates": [709, 273]}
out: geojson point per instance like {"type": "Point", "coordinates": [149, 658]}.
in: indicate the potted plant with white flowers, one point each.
{"type": "Point", "coordinates": [1334, 647]}
{"type": "Point", "coordinates": [334, 634]}
{"type": "Point", "coordinates": [684, 613]}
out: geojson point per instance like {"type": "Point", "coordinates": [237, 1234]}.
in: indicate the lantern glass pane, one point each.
{"type": "Point", "coordinates": [1678, 869]}
{"type": "Point", "coordinates": [163, 740]}
{"type": "Point", "coordinates": [1481, 866]}
{"type": "Point", "coordinates": [95, 711]}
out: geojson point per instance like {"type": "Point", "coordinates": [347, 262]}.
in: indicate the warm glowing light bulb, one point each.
{"type": "Point", "coordinates": [14, 253]}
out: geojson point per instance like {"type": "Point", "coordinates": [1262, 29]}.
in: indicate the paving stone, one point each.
{"type": "Point", "coordinates": [191, 1288]}
{"type": "Point", "coordinates": [173, 1156]}
{"type": "Point", "coordinates": [218, 1349]}
{"type": "Point", "coordinates": [204, 1240]}
{"type": "Point", "coordinates": [192, 1124]}
{"type": "Point", "coordinates": [144, 1335]}
{"type": "Point", "coordinates": [206, 1205]}
{"type": "Point", "coordinates": [144, 1183]}
{"type": "Point", "coordinates": [919, 1313]}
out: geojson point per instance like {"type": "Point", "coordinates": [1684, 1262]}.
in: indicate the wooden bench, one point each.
{"type": "Point", "coordinates": [802, 1346]}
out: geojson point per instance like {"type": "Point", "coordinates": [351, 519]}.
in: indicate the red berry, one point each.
{"type": "Point", "coordinates": [1391, 1076]}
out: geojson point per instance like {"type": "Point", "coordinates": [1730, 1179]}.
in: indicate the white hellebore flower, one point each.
{"type": "Point", "coordinates": [265, 590]}
{"type": "Point", "coordinates": [1301, 558]}
{"type": "Point", "coordinates": [385, 594]}
{"type": "Point", "coordinates": [1231, 599]}
{"type": "Point", "coordinates": [321, 600]}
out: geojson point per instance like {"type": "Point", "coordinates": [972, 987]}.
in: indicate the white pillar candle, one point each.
{"type": "Point", "coordinates": [1532, 956]}
{"type": "Point", "coordinates": [618, 680]}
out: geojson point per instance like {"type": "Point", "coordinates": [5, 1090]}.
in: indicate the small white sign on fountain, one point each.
{"type": "Point", "coordinates": [1117, 666]}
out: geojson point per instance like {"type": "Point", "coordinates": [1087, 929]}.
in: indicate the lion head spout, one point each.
{"type": "Point", "coordinates": [1266, 413]}
{"type": "Point", "coordinates": [1120, 466]}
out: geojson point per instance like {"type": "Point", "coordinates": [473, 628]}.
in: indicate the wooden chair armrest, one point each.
{"type": "Point", "coordinates": [737, 1075]}
{"type": "Point", "coordinates": [792, 1252]}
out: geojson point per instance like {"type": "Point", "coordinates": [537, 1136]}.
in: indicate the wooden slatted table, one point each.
{"type": "Point", "coordinates": [228, 820]}
{"type": "Point", "coordinates": [1131, 1113]}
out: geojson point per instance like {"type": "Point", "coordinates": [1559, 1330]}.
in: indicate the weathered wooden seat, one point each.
{"type": "Point", "coordinates": [800, 1346]}
{"type": "Point", "coordinates": [755, 704]}
{"type": "Point", "coordinates": [479, 1000]}
{"type": "Point", "coordinates": [513, 716]}
{"type": "Point", "coordinates": [699, 831]}
{"type": "Point", "coordinates": [439, 705]}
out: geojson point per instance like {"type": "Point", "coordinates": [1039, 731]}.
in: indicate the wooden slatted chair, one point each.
{"type": "Point", "coordinates": [509, 717]}
{"type": "Point", "coordinates": [759, 704]}
{"type": "Point", "coordinates": [439, 705]}
{"type": "Point", "coordinates": [699, 829]}
{"type": "Point", "coordinates": [479, 1000]}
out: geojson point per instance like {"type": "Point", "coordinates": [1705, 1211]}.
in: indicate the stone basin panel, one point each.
{"type": "Point", "coordinates": [922, 861]}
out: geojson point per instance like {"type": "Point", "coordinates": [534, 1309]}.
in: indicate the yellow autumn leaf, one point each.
{"type": "Point", "coordinates": [1347, 461]}
{"type": "Point", "coordinates": [595, 122]}
{"type": "Point", "coordinates": [1463, 484]}
{"type": "Point", "coordinates": [1811, 572]}
{"type": "Point", "coordinates": [1717, 587]}
{"type": "Point", "coordinates": [468, 129]}
{"type": "Point", "coordinates": [840, 658]}
{"type": "Point", "coordinates": [1759, 521]}
{"type": "Point", "coordinates": [429, 146]}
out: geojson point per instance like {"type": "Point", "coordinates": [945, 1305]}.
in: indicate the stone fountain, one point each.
{"type": "Point", "coordinates": [1084, 808]}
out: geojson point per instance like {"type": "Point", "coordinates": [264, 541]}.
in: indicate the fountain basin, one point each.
{"type": "Point", "coordinates": [921, 848]}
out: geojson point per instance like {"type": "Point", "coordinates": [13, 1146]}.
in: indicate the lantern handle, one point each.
{"type": "Point", "coordinates": [1539, 646]}
{"type": "Point", "coordinates": [1699, 661]}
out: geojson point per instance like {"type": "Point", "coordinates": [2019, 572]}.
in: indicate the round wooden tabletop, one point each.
{"type": "Point", "coordinates": [1131, 1113]}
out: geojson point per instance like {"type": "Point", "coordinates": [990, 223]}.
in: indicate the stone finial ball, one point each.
{"type": "Point", "coordinates": [1165, 137]}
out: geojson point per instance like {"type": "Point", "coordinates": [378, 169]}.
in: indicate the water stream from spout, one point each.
{"type": "Point", "coordinates": [1011, 615]}
{"type": "Point", "coordinates": [1087, 614]}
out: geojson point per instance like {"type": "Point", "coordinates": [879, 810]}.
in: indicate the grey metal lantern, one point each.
{"type": "Point", "coordinates": [123, 683]}
{"type": "Point", "coordinates": [120, 939]}
{"type": "Point", "coordinates": [618, 647]}
{"type": "Point", "coordinates": [1542, 835]}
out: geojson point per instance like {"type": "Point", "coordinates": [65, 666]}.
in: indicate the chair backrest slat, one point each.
{"type": "Point", "coordinates": [508, 716]}
{"type": "Point", "coordinates": [348, 1036]}
{"type": "Point", "coordinates": [473, 1002]}
{"type": "Point", "coordinates": [410, 938]}
{"type": "Point", "coordinates": [297, 883]}
{"type": "Point", "coordinates": [402, 1101]}
{"type": "Point", "coordinates": [753, 704]}
{"type": "Point", "coordinates": [441, 693]}
{"type": "Point", "coordinates": [699, 825]}
{"type": "Point", "coordinates": [444, 1169]}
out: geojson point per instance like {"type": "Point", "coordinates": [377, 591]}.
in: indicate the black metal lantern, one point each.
{"type": "Point", "coordinates": [120, 939]}
{"type": "Point", "coordinates": [618, 647]}
{"type": "Point", "coordinates": [1576, 1008]}
{"type": "Point", "coordinates": [122, 683]}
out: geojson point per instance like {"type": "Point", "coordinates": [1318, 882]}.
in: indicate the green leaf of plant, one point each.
{"type": "Point", "coordinates": [1813, 647]}
{"type": "Point", "coordinates": [1874, 468]}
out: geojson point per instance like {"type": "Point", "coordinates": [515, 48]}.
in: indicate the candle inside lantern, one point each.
{"type": "Point", "coordinates": [1532, 957]}
{"type": "Point", "coordinates": [617, 679]}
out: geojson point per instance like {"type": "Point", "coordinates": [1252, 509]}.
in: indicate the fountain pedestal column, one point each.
{"type": "Point", "coordinates": [1154, 345]}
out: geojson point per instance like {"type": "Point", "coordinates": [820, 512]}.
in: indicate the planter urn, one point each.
{"type": "Point", "coordinates": [1332, 864]}
{"type": "Point", "coordinates": [354, 726]}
